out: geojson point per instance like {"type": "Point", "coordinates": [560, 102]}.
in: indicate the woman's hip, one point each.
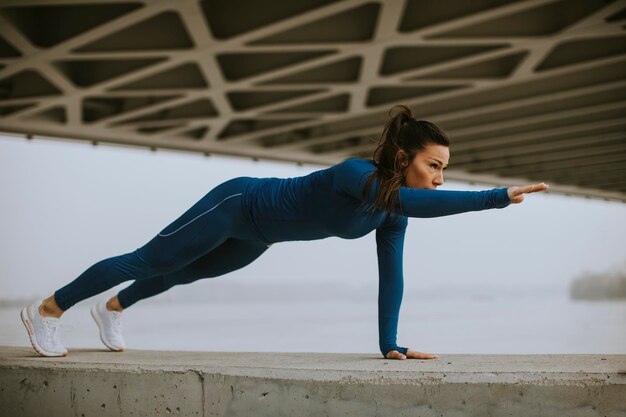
{"type": "Point", "coordinates": [221, 207]}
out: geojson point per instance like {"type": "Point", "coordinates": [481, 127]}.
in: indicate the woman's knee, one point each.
{"type": "Point", "coordinates": [142, 264]}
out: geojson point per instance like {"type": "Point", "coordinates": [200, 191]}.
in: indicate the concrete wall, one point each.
{"type": "Point", "coordinates": [151, 383]}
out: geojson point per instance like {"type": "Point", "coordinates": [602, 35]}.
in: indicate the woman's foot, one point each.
{"type": "Point", "coordinates": [43, 331]}
{"type": "Point", "coordinates": [110, 325]}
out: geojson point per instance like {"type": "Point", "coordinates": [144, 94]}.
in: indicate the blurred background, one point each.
{"type": "Point", "coordinates": [115, 117]}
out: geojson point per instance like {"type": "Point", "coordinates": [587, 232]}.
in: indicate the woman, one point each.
{"type": "Point", "coordinates": [237, 221]}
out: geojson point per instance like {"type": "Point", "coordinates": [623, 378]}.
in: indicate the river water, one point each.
{"type": "Point", "coordinates": [492, 324]}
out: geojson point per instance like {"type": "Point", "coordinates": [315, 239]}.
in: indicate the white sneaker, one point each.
{"type": "Point", "coordinates": [43, 331]}
{"type": "Point", "coordinates": [110, 325]}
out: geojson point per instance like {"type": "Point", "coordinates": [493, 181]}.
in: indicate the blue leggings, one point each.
{"type": "Point", "coordinates": [210, 239]}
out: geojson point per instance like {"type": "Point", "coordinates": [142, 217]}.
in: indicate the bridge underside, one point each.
{"type": "Point", "coordinates": [527, 90]}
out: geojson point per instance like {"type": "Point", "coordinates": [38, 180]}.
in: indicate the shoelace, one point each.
{"type": "Point", "coordinates": [116, 321]}
{"type": "Point", "coordinates": [52, 331]}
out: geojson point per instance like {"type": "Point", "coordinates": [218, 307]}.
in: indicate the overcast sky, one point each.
{"type": "Point", "coordinates": [66, 205]}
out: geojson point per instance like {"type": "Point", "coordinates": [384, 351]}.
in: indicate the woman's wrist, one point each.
{"type": "Point", "coordinates": [400, 349]}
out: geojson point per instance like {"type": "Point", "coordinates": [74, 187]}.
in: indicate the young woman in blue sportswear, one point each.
{"type": "Point", "coordinates": [238, 220]}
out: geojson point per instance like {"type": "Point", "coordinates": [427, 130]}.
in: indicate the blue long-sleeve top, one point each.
{"type": "Point", "coordinates": [327, 203]}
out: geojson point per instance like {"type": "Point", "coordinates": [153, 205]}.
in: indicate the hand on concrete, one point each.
{"type": "Point", "coordinates": [411, 354]}
{"type": "Point", "coordinates": [516, 194]}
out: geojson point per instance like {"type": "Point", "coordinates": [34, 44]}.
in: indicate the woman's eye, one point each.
{"type": "Point", "coordinates": [433, 165]}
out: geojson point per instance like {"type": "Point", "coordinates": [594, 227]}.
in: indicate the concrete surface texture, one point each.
{"type": "Point", "coordinates": [93, 382]}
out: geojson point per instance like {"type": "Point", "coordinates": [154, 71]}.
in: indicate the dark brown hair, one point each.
{"type": "Point", "coordinates": [402, 138]}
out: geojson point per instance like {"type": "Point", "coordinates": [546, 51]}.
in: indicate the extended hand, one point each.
{"type": "Point", "coordinates": [516, 194]}
{"type": "Point", "coordinates": [411, 354]}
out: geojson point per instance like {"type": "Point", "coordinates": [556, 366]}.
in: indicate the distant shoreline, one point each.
{"type": "Point", "coordinates": [599, 287]}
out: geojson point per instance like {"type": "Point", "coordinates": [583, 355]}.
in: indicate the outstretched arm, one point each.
{"type": "Point", "coordinates": [433, 203]}
{"type": "Point", "coordinates": [352, 175]}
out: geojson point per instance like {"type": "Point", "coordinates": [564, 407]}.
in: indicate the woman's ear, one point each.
{"type": "Point", "coordinates": [401, 156]}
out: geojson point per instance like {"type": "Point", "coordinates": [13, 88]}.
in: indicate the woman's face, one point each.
{"type": "Point", "coordinates": [426, 170]}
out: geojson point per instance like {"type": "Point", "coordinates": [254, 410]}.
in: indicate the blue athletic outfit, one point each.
{"type": "Point", "coordinates": [238, 220]}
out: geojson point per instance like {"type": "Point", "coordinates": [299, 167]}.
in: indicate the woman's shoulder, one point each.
{"type": "Point", "coordinates": [352, 173]}
{"type": "Point", "coordinates": [356, 159]}
{"type": "Point", "coordinates": [357, 162]}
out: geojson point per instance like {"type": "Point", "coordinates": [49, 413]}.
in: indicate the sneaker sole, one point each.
{"type": "Point", "coordinates": [31, 336]}
{"type": "Point", "coordinates": [102, 338]}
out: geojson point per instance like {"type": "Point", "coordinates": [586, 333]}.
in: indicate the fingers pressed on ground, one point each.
{"type": "Point", "coordinates": [421, 355]}
{"type": "Point", "coordinates": [394, 354]}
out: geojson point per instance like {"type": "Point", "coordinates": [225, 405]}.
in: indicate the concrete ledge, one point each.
{"type": "Point", "coordinates": [92, 382]}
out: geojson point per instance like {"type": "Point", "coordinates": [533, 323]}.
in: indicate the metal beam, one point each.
{"type": "Point", "coordinates": [504, 91]}
{"type": "Point", "coordinates": [514, 161]}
